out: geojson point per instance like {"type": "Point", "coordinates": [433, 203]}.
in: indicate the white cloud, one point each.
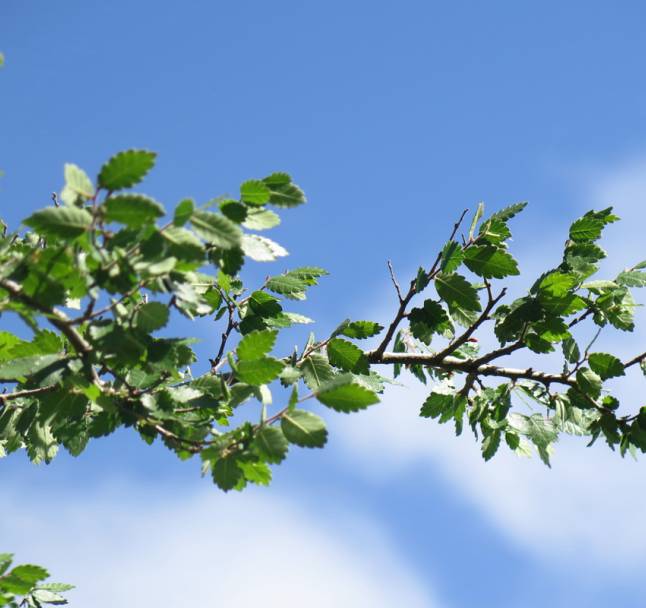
{"type": "Point", "coordinates": [590, 505]}
{"type": "Point", "coordinates": [134, 546]}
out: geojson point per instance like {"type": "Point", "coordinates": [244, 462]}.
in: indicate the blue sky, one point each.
{"type": "Point", "coordinates": [393, 117]}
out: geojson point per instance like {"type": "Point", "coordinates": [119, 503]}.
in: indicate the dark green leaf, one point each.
{"type": "Point", "coordinates": [126, 169]}
{"type": "Point", "coordinates": [259, 371]}
{"type": "Point", "coordinates": [271, 444]}
{"type": "Point", "coordinates": [605, 365]}
{"type": "Point", "coordinates": [216, 229]}
{"type": "Point", "coordinates": [361, 329]}
{"type": "Point", "coordinates": [183, 212]}
{"type": "Point", "coordinates": [256, 345]}
{"type": "Point", "coordinates": [490, 262]}
{"type": "Point", "coordinates": [317, 371]}
{"type": "Point", "coordinates": [304, 429]}
{"type": "Point", "coordinates": [283, 192]}
{"type": "Point", "coordinates": [64, 222]}
{"type": "Point", "coordinates": [343, 394]}
{"type": "Point", "coordinates": [347, 356]}
{"type": "Point", "coordinates": [151, 316]}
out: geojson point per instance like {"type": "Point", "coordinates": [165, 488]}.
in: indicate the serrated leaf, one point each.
{"type": "Point", "coordinates": [347, 356]}
{"type": "Point", "coordinates": [256, 345]}
{"type": "Point", "coordinates": [183, 212]}
{"type": "Point", "coordinates": [22, 367]}
{"type": "Point", "coordinates": [317, 371]}
{"type": "Point", "coordinates": [430, 319]}
{"type": "Point", "coordinates": [254, 192]}
{"type": "Point", "coordinates": [216, 229]}
{"type": "Point", "coordinates": [360, 330]}
{"type": "Point", "coordinates": [606, 365]}
{"type": "Point", "coordinates": [260, 219]}
{"type": "Point", "coordinates": [490, 444]}
{"type": "Point", "coordinates": [77, 185]}
{"type": "Point", "coordinates": [507, 213]}
{"type": "Point", "coordinates": [256, 472]}
{"type": "Point", "coordinates": [262, 249]}
{"type": "Point", "coordinates": [632, 278]}
{"type": "Point", "coordinates": [460, 296]}
{"type": "Point", "coordinates": [184, 244]}
{"type": "Point", "coordinates": [571, 350]}
{"type": "Point", "coordinates": [451, 258]}
{"type": "Point", "coordinates": [589, 382]}
{"type": "Point", "coordinates": [271, 444]}
{"type": "Point", "coordinates": [151, 316]}
{"type": "Point", "coordinates": [64, 222]}
{"type": "Point", "coordinates": [304, 429]}
{"type": "Point", "coordinates": [126, 169]}
{"type": "Point", "coordinates": [226, 473]}
{"type": "Point", "coordinates": [134, 210]}
{"type": "Point", "coordinates": [343, 394]}
{"type": "Point", "coordinates": [490, 262]}
{"type": "Point", "coordinates": [259, 371]}
{"type": "Point", "coordinates": [283, 192]}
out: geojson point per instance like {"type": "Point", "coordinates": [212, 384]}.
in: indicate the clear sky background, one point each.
{"type": "Point", "coordinates": [393, 117]}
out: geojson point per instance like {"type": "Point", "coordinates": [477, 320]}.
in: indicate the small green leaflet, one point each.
{"type": "Point", "coordinates": [151, 316]}
{"type": "Point", "coordinates": [183, 212]}
{"type": "Point", "coordinates": [316, 371]}
{"type": "Point", "coordinates": [254, 192]}
{"type": "Point", "coordinates": [256, 472]}
{"type": "Point", "coordinates": [256, 345]}
{"type": "Point", "coordinates": [216, 229]}
{"type": "Point", "coordinates": [77, 185]}
{"type": "Point", "coordinates": [261, 249]}
{"type": "Point", "coordinates": [361, 329]}
{"type": "Point", "coordinates": [606, 365]}
{"type": "Point", "coordinates": [259, 371]}
{"type": "Point", "coordinates": [632, 278]}
{"type": "Point", "coordinates": [589, 382]}
{"type": "Point", "coordinates": [293, 284]}
{"type": "Point", "coordinates": [490, 444]}
{"type": "Point", "coordinates": [134, 210]}
{"type": "Point", "coordinates": [476, 218]}
{"type": "Point", "coordinates": [271, 444]}
{"type": "Point", "coordinates": [343, 394]}
{"type": "Point", "coordinates": [283, 192]}
{"type": "Point", "coordinates": [64, 222]}
{"type": "Point", "coordinates": [589, 227]}
{"type": "Point", "coordinates": [571, 350]}
{"type": "Point", "coordinates": [126, 169]}
{"type": "Point", "coordinates": [460, 295]}
{"type": "Point", "coordinates": [226, 473]}
{"type": "Point", "coordinates": [490, 262]}
{"type": "Point", "coordinates": [260, 219]}
{"type": "Point", "coordinates": [304, 429]}
{"type": "Point", "coordinates": [509, 212]}
{"type": "Point", "coordinates": [347, 356]}
{"type": "Point", "coordinates": [431, 318]}
{"type": "Point", "coordinates": [452, 256]}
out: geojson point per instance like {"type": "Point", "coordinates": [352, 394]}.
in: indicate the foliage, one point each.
{"type": "Point", "coordinates": [23, 586]}
{"type": "Point", "coordinates": [98, 276]}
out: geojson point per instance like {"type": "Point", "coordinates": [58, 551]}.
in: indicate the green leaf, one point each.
{"type": "Point", "coordinates": [632, 278]}
{"type": "Point", "coordinates": [589, 227]}
{"type": "Point", "coordinates": [428, 320]}
{"type": "Point", "coordinates": [64, 222]}
{"type": "Point", "coordinates": [360, 330]}
{"type": "Point", "coordinates": [304, 429]}
{"type": "Point", "coordinates": [490, 444]}
{"type": "Point", "coordinates": [606, 366]}
{"type": "Point", "coordinates": [343, 394]}
{"type": "Point", "coordinates": [22, 579]}
{"type": "Point", "coordinates": [261, 249]}
{"type": "Point", "coordinates": [216, 229]}
{"type": "Point", "coordinates": [490, 262]}
{"type": "Point", "coordinates": [134, 210]}
{"type": "Point", "coordinates": [23, 367]}
{"type": "Point", "coordinates": [589, 382]}
{"type": "Point", "coordinates": [151, 316]}
{"type": "Point", "coordinates": [476, 218]}
{"type": "Point", "coordinates": [271, 444]}
{"type": "Point", "coordinates": [184, 244]}
{"type": "Point", "coordinates": [183, 212]}
{"type": "Point", "coordinates": [283, 192]}
{"type": "Point", "coordinates": [509, 212]}
{"type": "Point", "coordinates": [259, 371]}
{"type": "Point", "coordinates": [347, 356]}
{"type": "Point", "coordinates": [126, 169]}
{"type": "Point", "coordinates": [260, 219]}
{"type": "Point", "coordinates": [436, 404]}
{"type": "Point", "coordinates": [293, 284]}
{"type": "Point", "coordinates": [77, 185]}
{"type": "Point", "coordinates": [317, 371]}
{"type": "Point", "coordinates": [256, 345]}
{"type": "Point", "coordinates": [226, 473]}
{"type": "Point", "coordinates": [451, 258]}
{"type": "Point", "coordinates": [254, 192]}
{"type": "Point", "coordinates": [571, 350]}
{"type": "Point", "coordinates": [460, 296]}
{"type": "Point", "coordinates": [256, 472]}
